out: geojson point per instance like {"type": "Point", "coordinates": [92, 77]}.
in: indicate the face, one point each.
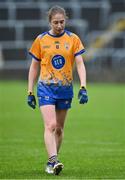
{"type": "Point", "coordinates": [57, 24]}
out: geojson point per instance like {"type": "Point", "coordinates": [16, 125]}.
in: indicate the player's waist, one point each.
{"type": "Point", "coordinates": [54, 83]}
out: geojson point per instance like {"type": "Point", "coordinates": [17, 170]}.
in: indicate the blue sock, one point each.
{"type": "Point", "coordinates": [52, 159]}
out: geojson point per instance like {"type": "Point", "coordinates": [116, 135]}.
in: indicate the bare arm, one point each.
{"type": "Point", "coordinates": [33, 73]}
{"type": "Point", "coordinates": [81, 70]}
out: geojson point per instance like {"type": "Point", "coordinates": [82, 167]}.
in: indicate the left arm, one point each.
{"type": "Point", "coordinates": [82, 95]}
{"type": "Point", "coordinates": [81, 70]}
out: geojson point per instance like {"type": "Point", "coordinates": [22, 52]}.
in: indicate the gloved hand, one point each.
{"type": "Point", "coordinates": [31, 100]}
{"type": "Point", "coordinates": [82, 95]}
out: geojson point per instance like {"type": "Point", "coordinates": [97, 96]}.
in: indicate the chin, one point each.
{"type": "Point", "coordinates": [59, 32]}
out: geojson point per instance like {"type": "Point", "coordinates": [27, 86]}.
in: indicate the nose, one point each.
{"type": "Point", "coordinates": [59, 25]}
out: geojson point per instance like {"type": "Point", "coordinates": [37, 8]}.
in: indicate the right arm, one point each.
{"type": "Point", "coordinates": [33, 74]}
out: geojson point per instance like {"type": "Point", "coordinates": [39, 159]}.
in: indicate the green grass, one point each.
{"type": "Point", "coordinates": [93, 146]}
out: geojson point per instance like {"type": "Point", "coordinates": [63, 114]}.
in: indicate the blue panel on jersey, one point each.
{"type": "Point", "coordinates": [68, 32]}
{"type": "Point", "coordinates": [34, 57]}
{"type": "Point", "coordinates": [43, 34]}
{"type": "Point", "coordinates": [80, 52]}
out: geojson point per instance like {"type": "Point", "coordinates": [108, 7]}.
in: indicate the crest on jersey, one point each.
{"type": "Point", "coordinates": [57, 43]}
{"type": "Point", "coordinates": [66, 45]}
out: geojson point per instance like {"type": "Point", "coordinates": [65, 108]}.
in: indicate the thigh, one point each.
{"type": "Point", "coordinates": [49, 114]}
{"type": "Point", "coordinates": [60, 117]}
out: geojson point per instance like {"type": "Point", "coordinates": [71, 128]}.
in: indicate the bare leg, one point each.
{"type": "Point", "coordinates": [60, 118]}
{"type": "Point", "coordinates": [49, 116]}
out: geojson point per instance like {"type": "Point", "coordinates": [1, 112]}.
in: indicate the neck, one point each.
{"type": "Point", "coordinates": [54, 33]}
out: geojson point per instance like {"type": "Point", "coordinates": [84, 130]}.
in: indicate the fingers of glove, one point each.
{"type": "Point", "coordinates": [31, 104]}
{"type": "Point", "coordinates": [32, 101]}
{"type": "Point", "coordinates": [84, 99]}
{"type": "Point", "coordinates": [81, 93]}
{"type": "Point", "coordinates": [32, 98]}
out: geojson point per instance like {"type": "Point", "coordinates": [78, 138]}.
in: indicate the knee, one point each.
{"type": "Point", "coordinates": [50, 127]}
{"type": "Point", "coordinates": [59, 131]}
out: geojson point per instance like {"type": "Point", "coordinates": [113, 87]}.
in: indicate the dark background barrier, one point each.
{"type": "Point", "coordinates": [99, 23]}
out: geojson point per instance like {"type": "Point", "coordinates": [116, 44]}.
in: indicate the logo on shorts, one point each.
{"type": "Point", "coordinates": [58, 61]}
{"type": "Point", "coordinates": [46, 98]}
{"type": "Point", "coordinates": [66, 102]}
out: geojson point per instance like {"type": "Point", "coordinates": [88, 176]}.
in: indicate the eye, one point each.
{"type": "Point", "coordinates": [55, 22]}
{"type": "Point", "coordinates": [61, 22]}
{"type": "Point", "coordinates": [58, 22]}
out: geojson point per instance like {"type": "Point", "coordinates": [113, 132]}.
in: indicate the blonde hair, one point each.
{"type": "Point", "coordinates": [56, 10]}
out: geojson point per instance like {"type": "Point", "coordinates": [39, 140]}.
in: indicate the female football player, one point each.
{"type": "Point", "coordinates": [55, 52]}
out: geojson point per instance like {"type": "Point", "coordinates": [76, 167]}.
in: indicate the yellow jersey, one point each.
{"type": "Point", "coordinates": [56, 55]}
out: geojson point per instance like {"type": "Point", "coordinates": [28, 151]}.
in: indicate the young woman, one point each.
{"type": "Point", "coordinates": [55, 52]}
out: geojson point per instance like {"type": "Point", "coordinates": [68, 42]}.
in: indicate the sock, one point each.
{"type": "Point", "coordinates": [53, 159]}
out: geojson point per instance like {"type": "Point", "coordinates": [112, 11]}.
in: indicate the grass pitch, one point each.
{"type": "Point", "coordinates": [94, 142]}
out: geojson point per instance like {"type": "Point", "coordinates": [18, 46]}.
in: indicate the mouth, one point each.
{"type": "Point", "coordinates": [60, 30]}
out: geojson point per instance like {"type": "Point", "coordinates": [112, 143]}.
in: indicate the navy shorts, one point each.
{"type": "Point", "coordinates": [59, 103]}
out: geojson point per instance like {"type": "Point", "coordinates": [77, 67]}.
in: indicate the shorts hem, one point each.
{"type": "Point", "coordinates": [46, 104]}
{"type": "Point", "coordinates": [65, 108]}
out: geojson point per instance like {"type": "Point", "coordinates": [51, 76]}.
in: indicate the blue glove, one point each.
{"type": "Point", "coordinates": [31, 100]}
{"type": "Point", "coordinates": [82, 95]}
